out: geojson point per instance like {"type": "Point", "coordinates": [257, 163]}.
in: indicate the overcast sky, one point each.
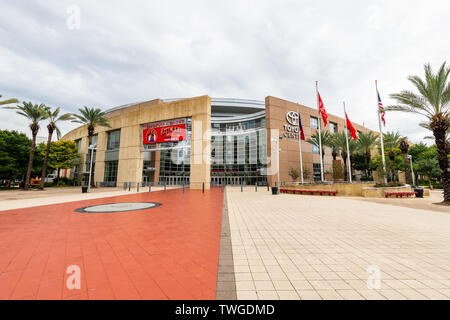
{"type": "Point", "coordinates": [130, 51]}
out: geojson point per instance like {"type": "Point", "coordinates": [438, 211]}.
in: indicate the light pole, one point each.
{"type": "Point", "coordinates": [277, 141]}
{"type": "Point", "coordinates": [412, 170]}
{"type": "Point", "coordinates": [92, 147]}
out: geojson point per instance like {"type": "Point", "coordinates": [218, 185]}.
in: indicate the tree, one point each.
{"type": "Point", "coordinates": [14, 149]}
{"type": "Point", "coordinates": [63, 155]}
{"type": "Point", "coordinates": [432, 102]}
{"type": "Point", "coordinates": [325, 137]}
{"type": "Point", "coordinates": [91, 117]}
{"type": "Point", "coordinates": [53, 118]}
{"type": "Point", "coordinates": [366, 142]}
{"type": "Point", "coordinates": [339, 140]}
{"type": "Point", "coordinates": [392, 142]}
{"type": "Point", "coordinates": [294, 173]}
{"type": "Point", "coordinates": [8, 101]}
{"type": "Point", "coordinates": [35, 114]}
{"type": "Point", "coordinates": [404, 146]}
{"type": "Point", "coordinates": [447, 134]}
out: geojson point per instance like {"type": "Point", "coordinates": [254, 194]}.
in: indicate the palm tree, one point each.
{"type": "Point", "coordinates": [391, 142]}
{"type": "Point", "coordinates": [35, 113]}
{"type": "Point", "coordinates": [339, 141]}
{"type": "Point", "coordinates": [447, 134]}
{"type": "Point", "coordinates": [326, 140]}
{"type": "Point", "coordinates": [366, 142]}
{"type": "Point", "coordinates": [8, 101]}
{"type": "Point", "coordinates": [433, 102]}
{"type": "Point", "coordinates": [53, 117]}
{"type": "Point", "coordinates": [404, 146]}
{"type": "Point", "coordinates": [91, 117]}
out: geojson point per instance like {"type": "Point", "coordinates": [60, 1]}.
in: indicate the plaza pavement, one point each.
{"type": "Point", "coordinates": [313, 247]}
{"type": "Point", "coordinates": [17, 199]}
{"type": "Point", "coordinates": [166, 252]}
{"type": "Point", "coordinates": [244, 245]}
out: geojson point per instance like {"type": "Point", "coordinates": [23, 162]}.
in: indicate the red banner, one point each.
{"type": "Point", "coordinates": [157, 134]}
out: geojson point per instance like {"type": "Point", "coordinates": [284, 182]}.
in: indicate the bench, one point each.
{"type": "Point", "coordinates": [399, 194]}
{"type": "Point", "coordinates": [310, 192]}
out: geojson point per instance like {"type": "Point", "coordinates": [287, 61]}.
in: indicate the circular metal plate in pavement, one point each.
{"type": "Point", "coordinates": [118, 207]}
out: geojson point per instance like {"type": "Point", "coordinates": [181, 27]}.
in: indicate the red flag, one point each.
{"type": "Point", "coordinates": [322, 110]}
{"type": "Point", "coordinates": [350, 128]}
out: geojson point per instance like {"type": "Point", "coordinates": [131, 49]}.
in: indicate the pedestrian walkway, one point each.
{"type": "Point", "coordinates": [306, 247]}
{"type": "Point", "coordinates": [16, 199]}
{"type": "Point", "coordinates": [165, 252]}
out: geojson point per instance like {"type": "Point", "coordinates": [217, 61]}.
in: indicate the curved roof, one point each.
{"type": "Point", "coordinates": [223, 109]}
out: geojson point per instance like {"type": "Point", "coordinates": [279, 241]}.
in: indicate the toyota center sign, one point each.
{"type": "Point", "coordinates": [291, 127]}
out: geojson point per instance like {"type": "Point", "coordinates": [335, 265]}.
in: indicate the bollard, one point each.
{"type": "Point", "coordinates": [203, 187]}
{"type": "Point", "coordinates": [222, 186]}
{"type": "Point", "coordinates": [137, 186]}
{"type": "Point", "coordinates": [256, 187]}
{"type": "Point", "coordinates": [241, 188]}
{"type": "Point", "coordinates": [165, 186]}
{"type": "Point", "coordinates": [129, 186]}
{"type": "Point", "coordinates": [267, 187]}
{"type": "Point", "coordinates": [149, 187]}
{"type": "Point", "coordinates": [183, 187]}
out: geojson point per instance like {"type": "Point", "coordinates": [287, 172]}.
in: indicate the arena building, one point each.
{"type": "Point", "coordinates": [203, 141]}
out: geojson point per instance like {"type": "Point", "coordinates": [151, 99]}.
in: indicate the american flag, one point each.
{"type": "Point", "coordinates": [381, 109]}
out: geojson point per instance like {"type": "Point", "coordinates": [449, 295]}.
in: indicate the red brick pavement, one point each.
{"type": "Point", "coordinates": [167, 252]}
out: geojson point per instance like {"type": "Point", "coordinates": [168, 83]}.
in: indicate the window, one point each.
{"type": "Point", "coordinates": [78, 144]}
{"type": "Point", "coordinates": [111, 171]}
{"type": "Point", "coordinates": [333, 127]}
{"type": "Point", "coordinates": [113, 140]}
{"type": "Point", "coordinates": [314, 123]}
{"type": "Point", "coordinates": [315, 149]}
{"type": "Point", "coordinates": [316, 172]}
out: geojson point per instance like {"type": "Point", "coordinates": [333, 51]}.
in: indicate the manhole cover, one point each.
{"type": "Point", "coordinates": [118, 207]}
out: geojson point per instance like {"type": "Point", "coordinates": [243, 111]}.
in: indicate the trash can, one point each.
{"type": "Point", "coordinates": [274, 190]}
{"type": "Point", "coordinates": [419, 193]}
{"type": "Point", "coordinates": [84, 189]}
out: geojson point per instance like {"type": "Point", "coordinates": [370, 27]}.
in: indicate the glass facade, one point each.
{"type": "Point", "coordinates": [315, 149]}
{"type": "Point", "coordinates": [110, 177]}
{"type": "Point", "coordinates": [238, 152]}
{"type": "Point", "coordinates": [113, 140]}
{"type": "Point", "coordinates": [333, 127]}
{"type": "Point", "coordinates": [316, 171]}
{"type": "Point", "coordinates": [314, 123]}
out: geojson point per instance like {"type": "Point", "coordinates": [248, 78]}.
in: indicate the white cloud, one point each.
{"type": "Point", "coordinates": [140, 50]}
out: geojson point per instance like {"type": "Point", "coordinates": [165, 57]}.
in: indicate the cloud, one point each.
{"type": "Point", "coordinates": [139, 50]}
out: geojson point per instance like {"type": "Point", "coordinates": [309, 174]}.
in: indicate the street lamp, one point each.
{"type": "Point", "coordinates": [277, 141]}
{"type": "Point", "coordinates": [92, 147]}
{"type": "Point", "coordinates": [412, 170]}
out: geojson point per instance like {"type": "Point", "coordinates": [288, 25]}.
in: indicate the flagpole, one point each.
{"type": "Point", "coordinates": [320, 136]}
{"type": "Point", "coordinates": [381, 134]}
{"type": "Point", "coordinates": [300, 145]}
{"type": "Point", "coordinates": [348, 149]}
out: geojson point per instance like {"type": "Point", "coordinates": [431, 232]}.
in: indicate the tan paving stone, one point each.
{"type": "Point", "coordinates": [264, 286]}
{"type": "Point", "coordinates": [329, 295]}
{"type": "Point", "coordinates": [350, 295]}
{"type": "Point", "coordinates": [309, 295]}
{"type": "Point", "coordinates": [301, 242]}
{"type": "Point", "coordinates": [288, 295]}
{"type": "Point", "coordinates": [268, 295]}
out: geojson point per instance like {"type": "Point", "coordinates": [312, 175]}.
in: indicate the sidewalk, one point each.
{"type": "Point", "coordinates": [16, 199]}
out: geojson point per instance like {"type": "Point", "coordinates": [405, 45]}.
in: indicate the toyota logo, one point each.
{"type": "Point", "coordinates": [292, 118]}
